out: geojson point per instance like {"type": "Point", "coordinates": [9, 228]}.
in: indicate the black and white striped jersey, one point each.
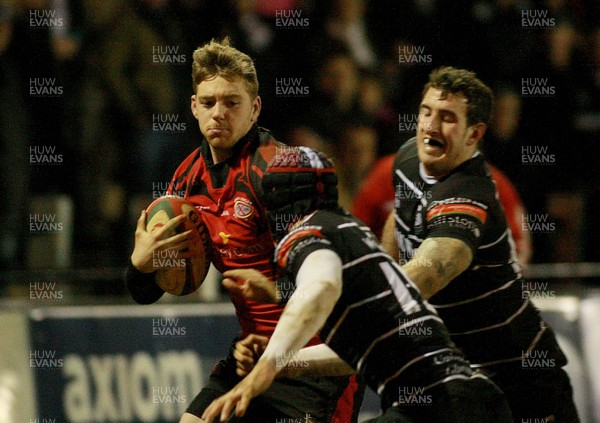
{"type": "Point", "coordinates": [380, 325]}
{"type": "Point", "coordinates": [487, 308]}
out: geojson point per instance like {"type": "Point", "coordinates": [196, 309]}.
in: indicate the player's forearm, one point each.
{"type": "Point", "coordinates": [437, 262]}
{"type": "Point", "coordinates": [318, 360]}
{"type": "Point", "coordinates": [388, 237]}
{"type": "Point", "coordinates": [318, 286]}
{"type": "Point", "coordinates": [141, 286]}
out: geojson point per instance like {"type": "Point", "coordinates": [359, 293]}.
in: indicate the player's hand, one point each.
{"type": "Point", "coordinates": [148, 243]}
{"type": "Point", "coordinates": [252, 284]}
{"type": "Point", "coordinates": [238, 399]}
{"type": "Point", "coordinates": [247, 351]}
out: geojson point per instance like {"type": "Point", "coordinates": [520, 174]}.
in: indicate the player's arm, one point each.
{"type": "Point", "coordinates": [318, 360]}
{"type": "Point", "coordinates": [318, 287]}
{"type": "Point", "coordinates": [252, 284]}
{"type": "Point", "coordinates": [388, 237]}
{"type": "Point", "coordinates": [436, 262]}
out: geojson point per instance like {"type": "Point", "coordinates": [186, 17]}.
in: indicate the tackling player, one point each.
{"type": "Point", "coordinates": [450, 230]}
{"type": "Point", "coordinates": [340, 282]}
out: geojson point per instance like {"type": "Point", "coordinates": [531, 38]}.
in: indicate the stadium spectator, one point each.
{"type": "Point", "coordinates": [124, 92]}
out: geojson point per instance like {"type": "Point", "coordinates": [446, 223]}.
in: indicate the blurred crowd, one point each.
{"type": "Point", "coordinates": [95, 100]}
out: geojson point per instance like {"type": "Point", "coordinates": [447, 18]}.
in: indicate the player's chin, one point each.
{"type": "Point", "coordinates": [434, 166]}
{"type": "Point", "coordinates": [217, 141]}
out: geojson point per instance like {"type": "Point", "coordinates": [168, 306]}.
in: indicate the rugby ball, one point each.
{"type": "Point", "coordinates": [176, 275]}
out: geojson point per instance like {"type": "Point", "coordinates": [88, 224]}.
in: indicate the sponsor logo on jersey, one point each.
{"type": "Point", "coordinates": [457, 209]}
{"type": "Point", "coordinates": [224, 236]}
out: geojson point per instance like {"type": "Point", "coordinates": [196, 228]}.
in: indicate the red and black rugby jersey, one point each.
{"type": "Point", "coordinates": [227, 195]}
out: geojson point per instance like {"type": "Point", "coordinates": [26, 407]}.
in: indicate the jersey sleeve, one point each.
{"type": "Point", "coordinates": [182, 174]}
{"type": "Point", "coordinates": [375, 198]}
{"type": "Point", "coordinates": [457, 217]}
{"type": "Point", "coordinates": [141, 286]}
{"type": "Point", "coordinates": [265, 152]}
{"type": "Point", "coordinates": [295, 247]}
{"type": "Point", "coordinates": [511, 203]}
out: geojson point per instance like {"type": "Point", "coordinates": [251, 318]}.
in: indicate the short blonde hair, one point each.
{"type": "Point", "coordinates": [219, 58]}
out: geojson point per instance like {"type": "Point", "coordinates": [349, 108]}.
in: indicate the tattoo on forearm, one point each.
{"type": "Point", "coordinates": [442, 269]}
{"type": "Point", "coordinates": [437, 262]}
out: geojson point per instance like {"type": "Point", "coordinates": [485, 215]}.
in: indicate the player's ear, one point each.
{"type": "Point", "coordinates": [256, 106]}
{"type": "Point", "coordinates": [193, 105]}
{"type": "Point", "coordinates": [477, 132]}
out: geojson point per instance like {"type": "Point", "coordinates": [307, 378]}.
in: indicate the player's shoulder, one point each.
{"type": "Point", "coordinates": [407, 151]}
{"type": "Point", "coordinates": [471, 180]}
{"type": "Point", "coordinates": [186, 165]}
{"type": "Point", "coordinates": [310, 232]}
{"type": "Point", "coordinates": [266, 148]}
{"type": "Point", "coordinates": [406, 160]}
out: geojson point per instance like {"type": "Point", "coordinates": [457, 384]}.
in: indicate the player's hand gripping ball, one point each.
{"type": "Point", "coordinates": [179, 276]}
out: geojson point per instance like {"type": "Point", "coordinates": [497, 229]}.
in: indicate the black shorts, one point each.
{"type": "Point", "coordinates": [534, 394]}
{"type": "Point", "coordinates": [305, 399]}
{"type": "Point", "coordinates": [476, 400]}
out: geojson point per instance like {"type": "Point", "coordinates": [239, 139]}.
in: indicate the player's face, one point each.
{"type": "Point", "coordinates": [444, 139]}
{"type": "Point", "coordinates": [225, 113]}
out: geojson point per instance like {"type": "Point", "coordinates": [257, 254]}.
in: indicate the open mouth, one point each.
{"type": "Point", "coordinates": [431, 142]}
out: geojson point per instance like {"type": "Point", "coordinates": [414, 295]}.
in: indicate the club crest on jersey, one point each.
{"type": "Point", "coordinates": [243, 208]}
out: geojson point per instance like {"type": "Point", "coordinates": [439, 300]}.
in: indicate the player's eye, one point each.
{"type": "Point", "coordinates": [448, 117]}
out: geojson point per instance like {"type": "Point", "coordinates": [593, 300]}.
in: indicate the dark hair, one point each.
{"type": "Point", "coordinates": [219, 58]}
{"type": "Point", "coordinates": [460, 81]}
